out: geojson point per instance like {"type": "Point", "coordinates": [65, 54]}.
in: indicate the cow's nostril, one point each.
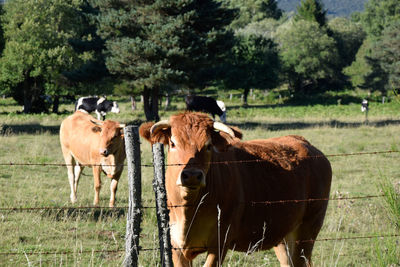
{"type": "Point", "coordinates": [184, 176]}
{"type": "Point", "coordinates": [199, 176]}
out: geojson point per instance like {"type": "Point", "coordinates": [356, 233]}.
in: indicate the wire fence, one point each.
{"type": "Point", "coordinates": [65, 252]}
{"type": "Point", "coordinates": [252, 203]}
{"type": "Point", "coordinates": [194, 164]}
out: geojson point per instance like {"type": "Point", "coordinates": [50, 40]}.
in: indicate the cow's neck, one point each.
{"type": "Point", "coordinates": [184, 209]}
{"type": "Point", "coordinates": [183, 217]}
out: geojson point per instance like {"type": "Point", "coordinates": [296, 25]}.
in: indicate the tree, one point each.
{"type": "Point", "coordinates": [349, 36]}
{"type": "Point", "coordinates": [93, 73]}
{"type": "Point", "coordinates": [309, 55]}
{"type": "Point", "coordinates": [385, 60]}
{"type": "Point", "coordinates": [37, 50]}
{"type": "Point", "coordinates": [378, 15]}
{"type": "Point", "coordinates": [387, 50]}
{"type": "Point", "coordinates": [377, 63]}
{"type": "Point", "coordinates": [251, 11]}
{"type": "Point", "coordinates": [359, 68]}
{"type": "Point", "coordinates": [254, 64]}
{"type": "Point", "coordinates": [158, 45]}
{"type": "Point", "coordinates": [1, 29]}
{"type": "Point", "coordinates": [311, 10]}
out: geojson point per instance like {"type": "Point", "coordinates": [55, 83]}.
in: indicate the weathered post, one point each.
{"type": "Point", "coordinates": [161, 205]}
{"type": "Point", "coordinates": [167, 102]}
{"type": "Point", "coordinates": [134, 218]}
{"type": "Point", "coordinates": [365, 108]}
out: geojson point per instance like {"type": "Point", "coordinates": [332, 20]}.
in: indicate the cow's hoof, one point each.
{"type": "Point", "coordinates": [73, 199]}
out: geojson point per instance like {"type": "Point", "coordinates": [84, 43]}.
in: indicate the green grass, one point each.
{"type": "Point", "coordinates": [334, 129]}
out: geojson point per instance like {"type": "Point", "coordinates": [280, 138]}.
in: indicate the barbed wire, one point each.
{"type": "Point", "coordinates": [65, 252]}
{"type": "Point", "coordinates": [195, 164]}
{"type": "Point", "coordinates": [313, 199]}
{"type": "Point", "coordinates": [181, 206]}
{"type": "Point", "coordinates": [61, 252]}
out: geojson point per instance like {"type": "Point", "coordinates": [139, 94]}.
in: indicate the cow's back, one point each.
{"type": "Point", "coordinates": [264, 174]}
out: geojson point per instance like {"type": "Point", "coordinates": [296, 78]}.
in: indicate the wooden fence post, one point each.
{"type": "Point", "coordinates": [134, 218]}
{"type": "Point", "coordinates": [161, 205]}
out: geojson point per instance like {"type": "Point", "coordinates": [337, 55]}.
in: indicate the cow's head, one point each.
{"type": "Point", "coordinates": [111, 136]}
{"type": "Point", "coordinates": [192, 138]}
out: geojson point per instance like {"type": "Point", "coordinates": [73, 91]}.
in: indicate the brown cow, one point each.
{"type": "Point", "coordinates": [216, 198]}
{"type": "Point", "coordinates": [87, 141]}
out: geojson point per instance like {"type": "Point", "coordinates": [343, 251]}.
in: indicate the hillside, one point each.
{"type": "Point", "coordinates": [337, 8]}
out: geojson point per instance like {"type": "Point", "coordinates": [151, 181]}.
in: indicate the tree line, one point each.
{"type": "Point", "coordinates": [63, 48]}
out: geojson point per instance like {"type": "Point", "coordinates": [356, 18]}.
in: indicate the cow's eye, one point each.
{"type": "Point", "coordinates": [172, 144]}
{"type": "Point", "coordinates": [208, 147]}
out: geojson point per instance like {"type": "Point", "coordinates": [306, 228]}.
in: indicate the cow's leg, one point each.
{"type": "Point", "coordinates": [306, 233]}
{"type": "Point", "coordinates": [70, 162]}
{"type": "Point", "coordinates": [300, 251]}
{"type": "Point", "coordinates": [113, 189]}
{"type": "Point", "coordinates": [97, 184]}
{"type": "Point", "coordinates": [77, 172]}
{"type": "Point", "coordinates": [98, 114]}
{"type": "Point", "coordinates": [305, 236]}
{"type": "Point", "coordinates": [282, 255]}
{"type": "Point", "coordinates": [214, 260]}
{"type": "Point", "coordinates": [180, 260]}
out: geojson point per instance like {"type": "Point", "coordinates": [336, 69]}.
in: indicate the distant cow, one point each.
{"type": "Point", "coordinates": [98, 104]}
{"type": "Point", "coordinates": [87, 141]}
{"type": "Point", "coordinates": [248, 196]}
{"type": "Point", "coordinates": [206, 104]}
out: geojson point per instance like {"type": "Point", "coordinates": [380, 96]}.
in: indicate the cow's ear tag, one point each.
{"type": "Point", "coordinates": [96, 129]}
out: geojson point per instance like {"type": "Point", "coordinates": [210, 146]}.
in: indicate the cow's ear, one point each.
{"type": "Point", "coordinates": [237, 132]}
{"type": "Point", "coordinates": [222, 141]}
{"type": "Point", "coordinates": [159, 134]}
{"type": "Point", "coordinates": [144, 130]}
{"type": "Point", "coordinates": [224, 136]}
{"type": "Point", "coordinates": [96, 129]}
{"type": "Point", "coordinates": [121, 130]}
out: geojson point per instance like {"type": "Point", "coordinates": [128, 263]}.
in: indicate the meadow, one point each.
{"type": "Point", "coordinates": [356, 232]}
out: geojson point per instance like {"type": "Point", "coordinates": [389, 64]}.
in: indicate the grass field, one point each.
{"type": "Point", "coordinates": [87, 237]}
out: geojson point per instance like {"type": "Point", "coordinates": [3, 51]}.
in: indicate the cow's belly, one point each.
{"type": "Point", "coordinates": [263, 228]}
{"type": "Point", "coordinates": [82, 157]}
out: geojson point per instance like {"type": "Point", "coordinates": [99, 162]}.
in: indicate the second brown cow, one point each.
{"type": "Point", "coordinates": [100, 144]}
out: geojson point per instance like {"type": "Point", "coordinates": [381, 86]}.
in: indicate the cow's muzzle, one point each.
{"type": "Point", "coordinates": [191, 178]}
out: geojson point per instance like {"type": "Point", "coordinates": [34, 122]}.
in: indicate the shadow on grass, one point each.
{"type": "Point", "coordinates": [28, 129]}
{"type": "Point", "coordinates": [38, 129]}
{"type": "Point", "coordinates": [254, 106]}
{"type": "Point", "coordinates": [306, 125]}
{"type": "Point", "coordinates": [94, 214]}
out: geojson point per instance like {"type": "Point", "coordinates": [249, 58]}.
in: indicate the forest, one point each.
{"type": "Point", "coordinates": [52, 50]}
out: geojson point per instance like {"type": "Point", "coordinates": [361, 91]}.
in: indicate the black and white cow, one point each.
{"type": "Point", "coordinates": [98, 104]}
{"type": "Point", "coordinates": [206, 104]}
